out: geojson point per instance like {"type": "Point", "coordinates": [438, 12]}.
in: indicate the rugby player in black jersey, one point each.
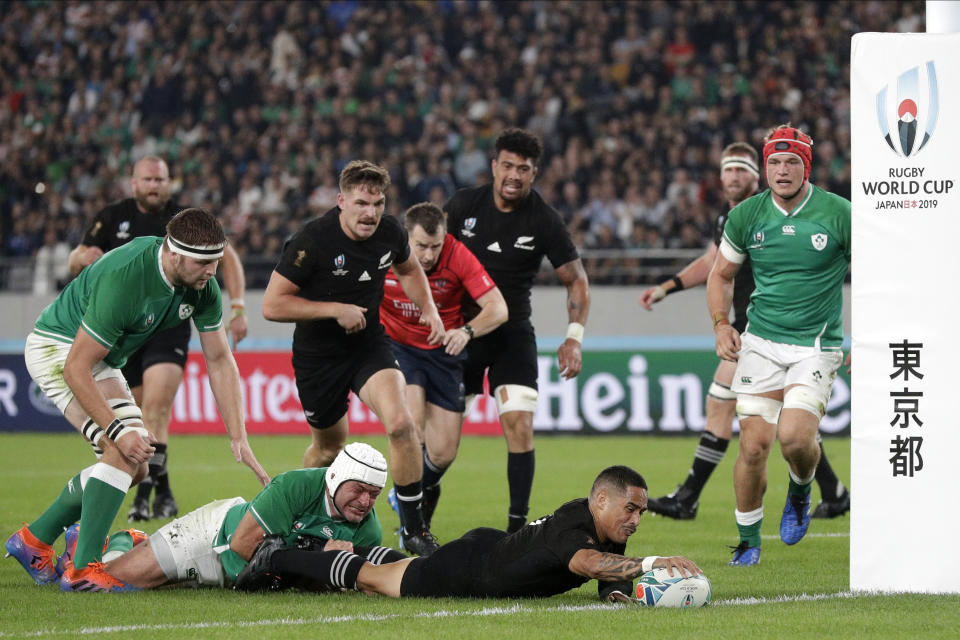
{"type": "Point", "coordinates": [582, 540]}
{"type": "Point", "coordinates": [154, 373]}
{"type": "Point", "coordinates": [330, 282]}
{"type": "Point", "coordinates": [509, 228]}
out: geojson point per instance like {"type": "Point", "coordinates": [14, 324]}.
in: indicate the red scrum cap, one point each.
{"type": "Point", "coordinates": [791, 141]}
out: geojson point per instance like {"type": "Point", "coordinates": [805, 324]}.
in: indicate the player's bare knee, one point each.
{"type": "Point", "coordinates": [401, 429]}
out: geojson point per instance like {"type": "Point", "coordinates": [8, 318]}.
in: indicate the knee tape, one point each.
{"type": "Point", "coordinates": [766, 408]}
{"type": "Point", "coordinates": [721, 392]}
{"type": "Point", "coordinates": [515, 397]}
{"type": "Point", "coordinates": [129, 418]}
{"type": "Point", "coordinates": [807, 398]}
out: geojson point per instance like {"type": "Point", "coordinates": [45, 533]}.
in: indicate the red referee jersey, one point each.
{"type": "Point", "coordinates": [457, 270]}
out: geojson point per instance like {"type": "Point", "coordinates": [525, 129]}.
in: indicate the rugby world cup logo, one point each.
{"type": "Point", "coordinates": [916, 104]}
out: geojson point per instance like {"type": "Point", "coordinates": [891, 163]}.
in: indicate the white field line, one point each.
{"type": "Point", "coordinates": [443, 613]}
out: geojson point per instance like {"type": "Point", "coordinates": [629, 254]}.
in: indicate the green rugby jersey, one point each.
{"type": "Point", "coordinates": [124, 298]}
{"type": "Point", "coordinates": [292, 505]}
{"type": "Point", "coordinates": [800, 260]}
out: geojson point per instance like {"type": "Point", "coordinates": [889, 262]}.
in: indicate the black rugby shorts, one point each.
{"type": "Point", "coordinates": [169, 345]}
{"type": "Point", "coordinates": [324, 384]}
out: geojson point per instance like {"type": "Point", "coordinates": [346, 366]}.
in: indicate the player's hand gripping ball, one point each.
{"type": "Point", "coordinates": [657, 588]}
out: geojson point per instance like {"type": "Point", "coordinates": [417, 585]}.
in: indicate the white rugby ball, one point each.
{"type": "Point", "coordinates": [657, 588]}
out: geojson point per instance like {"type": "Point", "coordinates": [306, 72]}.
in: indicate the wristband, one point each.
{"type": "Point", "coordinates": [677, 285]}
{"type": "Point", "coordinates": [720, 317]}
{"type": "Point", "coordinates": [575, 331]}
{"type": "Point", "coordinates": [237, 303]}
{"type": "Point", "coordinates": [237, 312]}
{"type": "Point", "coordinates": [659, 293]}
{"type": "Point", "coordinates": [647, 563]}
{"type": "Point", "coordinates": [467, 329]}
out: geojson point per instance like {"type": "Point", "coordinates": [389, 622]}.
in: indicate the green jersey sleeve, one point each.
{"type": "Point", "coordinates": [735, 229]}
{"type": "Point", "coordinates": [209, 314]}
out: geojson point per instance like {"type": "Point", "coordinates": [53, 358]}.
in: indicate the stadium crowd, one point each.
{"type": "Point", "coordinates": [257, 106]}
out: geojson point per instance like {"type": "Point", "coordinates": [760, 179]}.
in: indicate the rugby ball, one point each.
{"type": "Point", "coordinates": [657, 588]}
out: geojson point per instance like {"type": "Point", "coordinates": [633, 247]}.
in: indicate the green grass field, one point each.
{"type": "Point", "coordinates": [796, 592]}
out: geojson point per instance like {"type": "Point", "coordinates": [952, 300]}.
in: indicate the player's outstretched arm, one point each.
{"type": "Point", "coordinates": [282, 303]}
{"type": "Point", "coordinates": [225, 383]}
{"type": "Point", "coordinates": [236, 282]}
{"type": "Point", "coordinates": [570, 353]}
{"type": "Point", "coordinates": [692, 275]}
{"type": "Point", "coordinates": [613, 567]}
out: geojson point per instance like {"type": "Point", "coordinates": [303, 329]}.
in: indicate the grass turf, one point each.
{"type": "Point", "coordinates": [796, 592]}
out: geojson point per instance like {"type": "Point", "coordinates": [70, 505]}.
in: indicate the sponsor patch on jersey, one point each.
{"type": "Point", "coordinates": [757, 240]}
{"type": "Point", "coordinates": [149, 320]}
{"type": "Point", "coordinates": [327, 531]}
{"type": "Point", "coordinates": [338, 262]}
{"type": "Point", "coordinates": [301, 254]}
{"type": "Point", "coordinates": [494, 246]}
{"type": "Point", "coordinates": [123, 232]}
{"type": "Point", "coordinates": [819, 241]}
{"type": "Point", "coordinates": [386, 260]}
{"type": "Point", "coordinates": [439, 283]}
{"type": "Point", "coordinates": [468, 226]}
{"type": "Point", "coordinates": [524, 242]}
{"type": "Point", "coordinates": [364, 277]}
{"type": "Point", "coordinates": [789, 230]}
{"type": "Point", "coordinates": [185, 311]}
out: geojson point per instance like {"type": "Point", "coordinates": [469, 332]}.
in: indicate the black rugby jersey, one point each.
{"type": "Point", "coordinates": [119, 223]}
{"type": "Point", "coordinates": [330, 267]}
{"type": "Point", "coordinates": [743, 284]}
{"type": "Point", "coordinates": [510, 245]}
{"type": "Point", "coordinates": [534, 561]}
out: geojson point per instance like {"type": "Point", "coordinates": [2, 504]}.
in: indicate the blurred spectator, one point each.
{"type": "Point", "coordinates": [52, 268]}
{"type": "Point", "coordinates": [259, 104]}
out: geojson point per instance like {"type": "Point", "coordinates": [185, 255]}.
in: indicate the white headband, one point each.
{"type": "Point", "coordinates": [741, 162]}
{"type": "Point", "coordinates": [199, 252]}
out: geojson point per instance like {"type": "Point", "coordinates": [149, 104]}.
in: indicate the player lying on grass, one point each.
{"type": "Point", "coordinates": [582, 540]}
{"type": "Point", "coordinates": [209, 546]}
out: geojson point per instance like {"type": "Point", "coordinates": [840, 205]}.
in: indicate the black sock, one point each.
{"type": "Point", "coordinates": [708, 455]}
{"type": "Point", "coordinates": [827, 480]}
{"type": "Point", "coordinates": [144, 489]}
{"type": "Point", "coordinates": [379, 555]}
{"type": "Point", "coordinates": [520, 467]}
{"type": "Point", "coordinates": [158, 469]}
{"type": "Point", "coordinates": [431, 472]}
{"type": "Point", "coordinates": [409, 497]}
{"type": "Point", "coordinates": [337, 569]}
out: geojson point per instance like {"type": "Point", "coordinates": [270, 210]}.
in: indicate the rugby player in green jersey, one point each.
{"type": "Point", "coordinates": [75, 353]}
{"type": "Point", "coordinates": [797, 237]}
{"type": "Point", "coordinates": [304, 510]}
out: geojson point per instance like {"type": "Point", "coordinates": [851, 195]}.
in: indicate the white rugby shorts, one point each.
{"type": "Point", "coordinates": [45, 358]}
{"type": "Point", "coordinates": [184, 547]}
{"type": "Point", "coordinates": [764, 365]}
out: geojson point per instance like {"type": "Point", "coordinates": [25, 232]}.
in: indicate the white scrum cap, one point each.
{"type": "Point", "coordinates": [359, 462]}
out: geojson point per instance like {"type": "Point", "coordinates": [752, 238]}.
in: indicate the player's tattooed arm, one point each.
{"type": "Point", "coordinates": [574, 278]}
{"type": "Point", "coordinates": [610, 567]}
